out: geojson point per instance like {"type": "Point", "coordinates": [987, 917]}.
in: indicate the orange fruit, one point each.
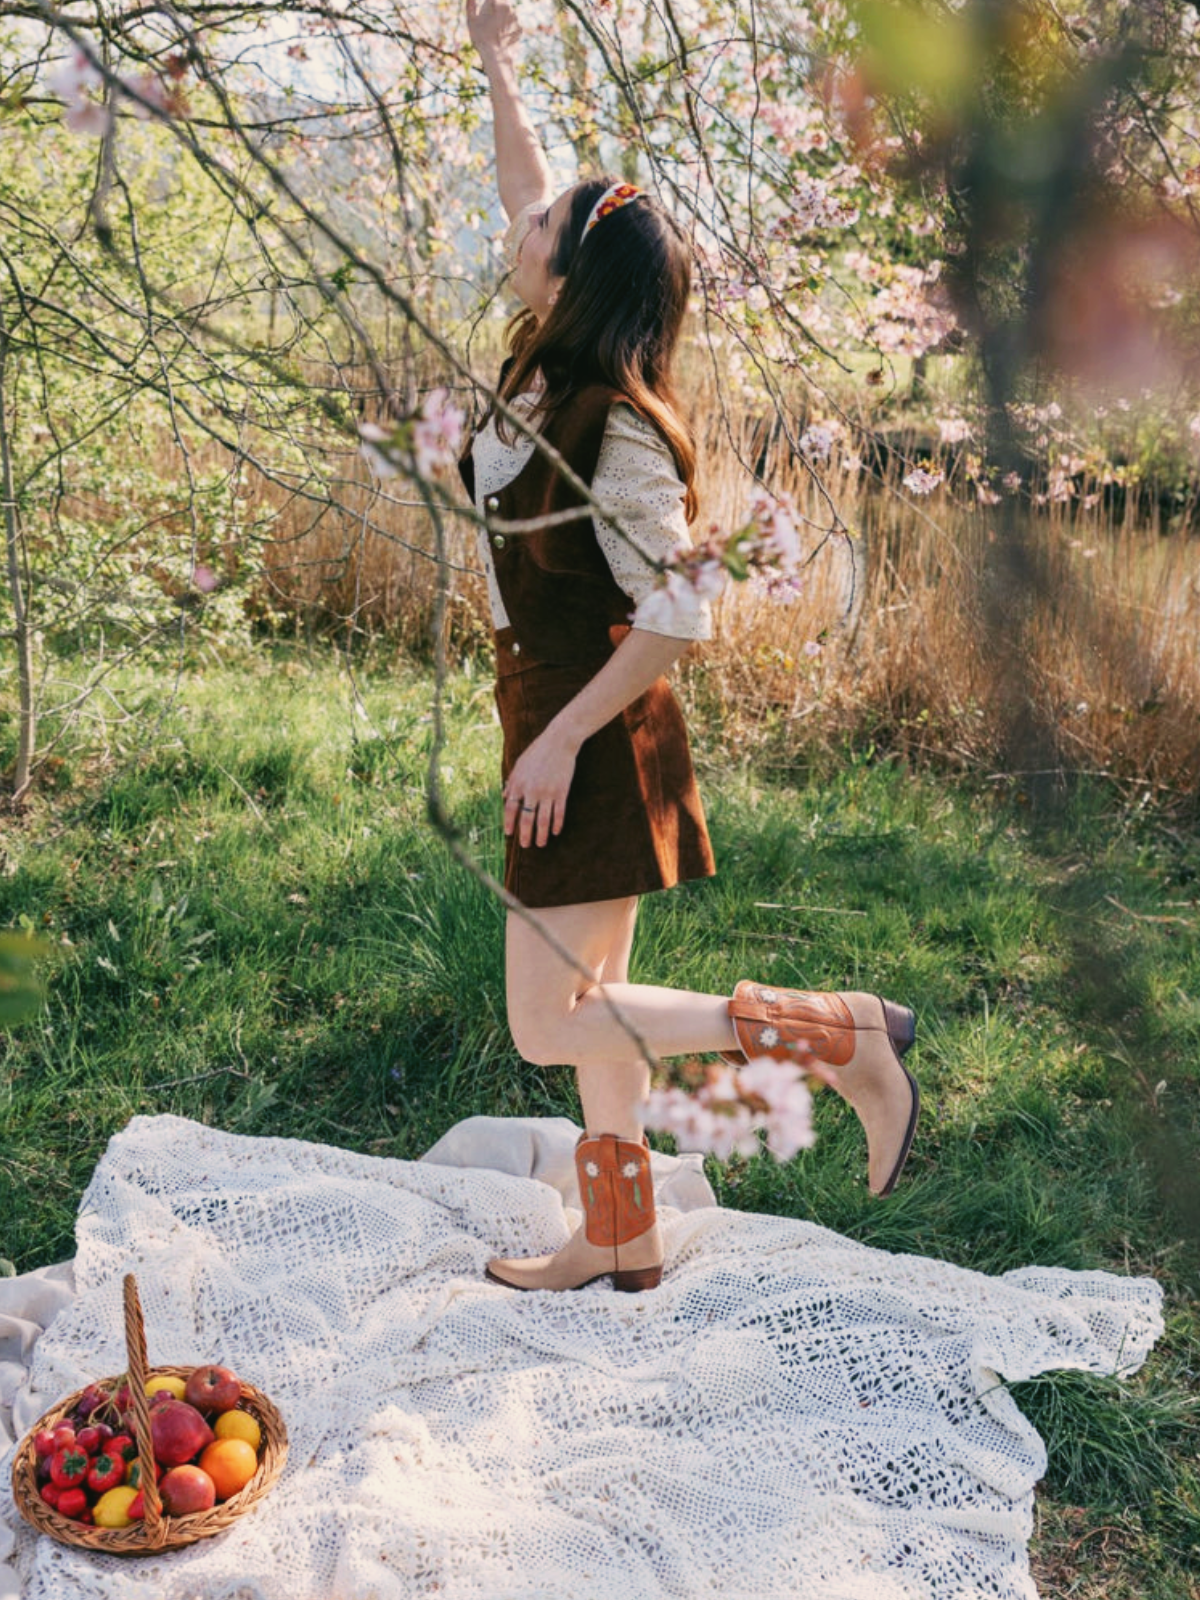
{"type": "Point", "coordinates": [230, 1463]}
{"type": "Point", "coordinates": [238, 1425]}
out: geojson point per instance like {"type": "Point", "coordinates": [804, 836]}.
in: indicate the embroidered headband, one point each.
{"type": "Point", "coordinates": [611, 200]}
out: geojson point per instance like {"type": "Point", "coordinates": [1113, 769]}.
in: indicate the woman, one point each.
{"type": "Point", "coordinates": [600, 804]}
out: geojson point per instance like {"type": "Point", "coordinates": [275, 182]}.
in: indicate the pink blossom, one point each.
{"type": "Point", "coordinates": [953, 430]}
{"type": "Point", "coordinates": [204, 578]}
{"type": "Point", "coordinates": [150, 89]}
{"type": "Point", "coordinates": [437, 433]}
{"type": "Point", "coordinates": [774, 516]}
{"type": "Point", "coordinates": [729, 1111]}
{"type": "Point", "coordinates": [72, 76]}
{"type": "Point", "coordinates": [817, 440]}
{"type": "Point", "coordinates": [923, 480]}
{"type": "Point", "coordinates": [732, 1129]}
{"type": "Point", "coordinates": [419, 445]}
{"type": "Point", "coordinates": [87, 116]}
{"type": "Point", "coordinates": [378, 445]}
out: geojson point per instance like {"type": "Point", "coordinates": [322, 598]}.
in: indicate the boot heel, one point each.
{"type": "Point", "coordinates": [901, 1026]}
{"type": "Point", "coordinates": [635, 1279]}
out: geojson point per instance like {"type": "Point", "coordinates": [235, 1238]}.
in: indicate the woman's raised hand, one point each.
{"type": "Point", "coordinates": [493, 27]}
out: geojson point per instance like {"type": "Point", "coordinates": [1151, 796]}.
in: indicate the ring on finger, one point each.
{"type": "Point", "coordinates": [524, 807]}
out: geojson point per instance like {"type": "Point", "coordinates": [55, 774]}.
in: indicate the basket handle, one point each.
{"type": "Point", "coordinates": [135, 1344]}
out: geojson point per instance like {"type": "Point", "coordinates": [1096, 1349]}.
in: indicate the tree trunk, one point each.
{"type": "Point", "coordinates": [585, 136]}
{"type": "Point", "coordinates": [22, 630]}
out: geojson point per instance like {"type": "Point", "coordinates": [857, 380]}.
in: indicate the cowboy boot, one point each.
{"type": "Point", "coordinates": [620, 1234]}
{"type": "Point", "coordinates": [858, 1039]}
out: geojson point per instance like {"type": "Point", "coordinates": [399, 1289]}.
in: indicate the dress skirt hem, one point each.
{"type": "Point", "coordinates": [634, 822]}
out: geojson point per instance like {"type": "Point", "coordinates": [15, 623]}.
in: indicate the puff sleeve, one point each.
{"type": "Point", "coordinates": [638, 483]}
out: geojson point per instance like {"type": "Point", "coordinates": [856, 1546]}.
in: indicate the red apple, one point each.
{"type": "Point", "coordinates": [178, 1432]}
{"type": "Point", "coordinates": [213, 1389]}
{"type": "Point", "coordinates": [187, 1489]}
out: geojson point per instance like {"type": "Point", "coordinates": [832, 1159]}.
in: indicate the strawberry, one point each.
{"type": "Point", "coordinates": [71, 1502]}
{"type": "Point", "coordinates": [68, 1467]}
{"type": "Point", "coordinates": [50, 1493]}
{"type": "Point", "coordinates": [106, 1472]}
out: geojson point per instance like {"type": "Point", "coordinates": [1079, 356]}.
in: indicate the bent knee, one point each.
{"type": "Point", "coordinates": [542, 1033]}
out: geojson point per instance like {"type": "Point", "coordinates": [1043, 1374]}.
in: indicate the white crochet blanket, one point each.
{"type": "Point", "coordinates": [789, 1414]}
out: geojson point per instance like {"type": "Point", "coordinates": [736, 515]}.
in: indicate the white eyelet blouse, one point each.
{"type": "Point", "coordinates": [637, 481]}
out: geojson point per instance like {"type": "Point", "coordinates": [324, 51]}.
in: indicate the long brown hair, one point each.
{"type": "Point", "coordinates": [616, 320]}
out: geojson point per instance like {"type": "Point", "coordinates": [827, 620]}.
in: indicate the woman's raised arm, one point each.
{"type": "Point", "coordinates": [522, 171]}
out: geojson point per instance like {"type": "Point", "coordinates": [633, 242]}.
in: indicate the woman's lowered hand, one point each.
{"type": "Point", "coordinates": [535, 795]}
{"type": "Point", "coordinates": [493, 28]}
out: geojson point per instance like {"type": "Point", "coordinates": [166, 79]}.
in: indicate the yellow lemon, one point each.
{"type": "Point", "coordinates": [112, 1508]}
{"type": "Point", "coordinates": [175, 1385]}
{"type": "Point", "coordinates": [238, 1425]}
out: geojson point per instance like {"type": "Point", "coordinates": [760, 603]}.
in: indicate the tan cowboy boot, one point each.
{"type": "Point", "coordinates": [858, 1039]}
{"type": "Point", "coordinates": [620, 1234]}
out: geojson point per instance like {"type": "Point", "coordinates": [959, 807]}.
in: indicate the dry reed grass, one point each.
{"type": "Point", "coordinates": [898, 653]}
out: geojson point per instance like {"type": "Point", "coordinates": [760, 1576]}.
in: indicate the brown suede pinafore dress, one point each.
{"type": "Point", "coordinates": [634, 821]}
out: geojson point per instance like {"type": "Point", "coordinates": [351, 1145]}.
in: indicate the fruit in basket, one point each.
{"type": "Point", "coordinates": [168, 1384]}
{"type": "Point", "coordinates": [230, 1463]}
{"type": "Point", "coordinates": [68, 1468]}
{"type": "Point", "coordinates": [178, 1432]}
{"type": "Point", "coordinates": [112, 1508]}
{"type": "Point", "coordinates": [72, 1502]}
{"type": "Point", "coordinates": [185, 1489]}
{"type": "Point", "coordinates": [133, 1474]}
{"type": "Point", "coordinates": [106, 1472]}
{"type": "Point", "coordinates": [237, 1424]}
{"type": "Point", "coordinates": [93, 1398]}
{"type": "Point", "coordinates": [213, 1389]}
{"type": "Point", "coordinates": [43, 1444]}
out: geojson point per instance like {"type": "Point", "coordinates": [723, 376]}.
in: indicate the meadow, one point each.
{"type": "Point", "coordinates": [254, 925]}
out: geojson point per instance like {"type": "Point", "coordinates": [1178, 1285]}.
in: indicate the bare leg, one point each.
{"type": "Point", "coordinates": [558, 1016]}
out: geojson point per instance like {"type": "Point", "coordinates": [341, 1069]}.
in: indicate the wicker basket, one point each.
{"type": "Point", "coordinates": [155, 1531]}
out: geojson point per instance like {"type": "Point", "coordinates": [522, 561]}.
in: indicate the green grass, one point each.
{"type": "Point", "coordinates": [253, 925]}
